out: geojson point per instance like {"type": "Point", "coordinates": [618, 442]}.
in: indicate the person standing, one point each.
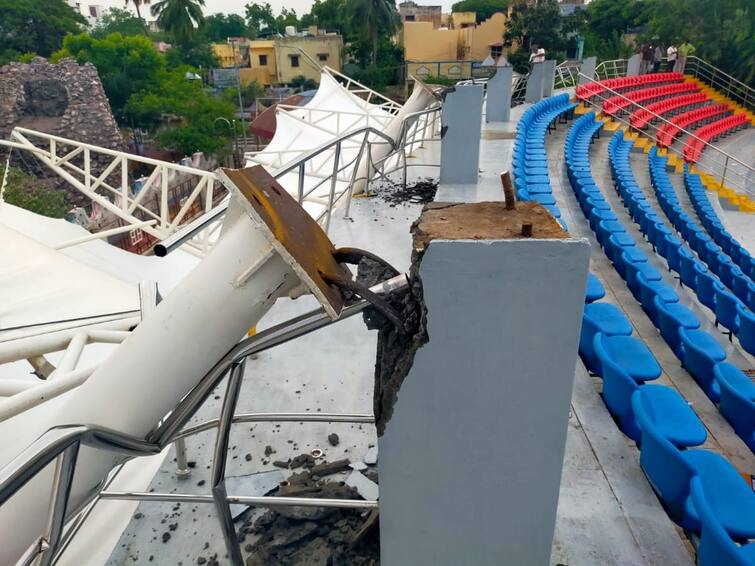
{"type": "Point", "coordinates": [685, 50]}
{"type": "Point", "coordinates": [657, 56]}
{"type": "Point", "coordinates": [647, 58]}
{"type": "Point", "coordinates": [671, 54]}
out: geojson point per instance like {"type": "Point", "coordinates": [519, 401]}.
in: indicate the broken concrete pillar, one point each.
{"type": "Point", "coordinates": [498, 107]}
{"type": "Point", "coordinates": [474, 429]}
{"type": "Point", "coordinates": [587, 68]}
{"type": "Point", "coordinates": [461, 120]}
{"type": "Point", "coordinates": [633, 65]}
{"type": "Point", "coordinates": [549, 77]}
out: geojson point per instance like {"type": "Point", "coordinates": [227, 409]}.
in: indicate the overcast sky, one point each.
{"type": "Point", "coordinates": [237, 6]}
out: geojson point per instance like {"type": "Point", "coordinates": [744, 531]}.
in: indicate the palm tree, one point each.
{"type": "Point", "coordinates": [178, 17]}
{"type": "Point", "coordinates": [375, 16]}
{"type": "Point", "coordinates": [137, 4]}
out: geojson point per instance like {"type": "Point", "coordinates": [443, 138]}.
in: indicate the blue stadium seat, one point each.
{"type": "Point", "coordinates": [671, 470]}
{"type": "Point", "coordinates": [737, 402]}
{"type": "Point", "coordinates": [595, 290]}
{"type": "Point", "coordinates": [600, 317]}
{"type": "Point", "coordinates": [716, 547]}
{"type": "Point", "coordinates": [700, 352]}
{"type": "Point", "coordinates": [671, 317]}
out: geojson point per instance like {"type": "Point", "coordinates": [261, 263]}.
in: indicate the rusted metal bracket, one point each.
{"type": "Point", "coordinates": [302, 243]}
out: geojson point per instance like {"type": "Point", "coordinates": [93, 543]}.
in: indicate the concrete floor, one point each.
{"type": "Point", "coordinates": [607, 512]}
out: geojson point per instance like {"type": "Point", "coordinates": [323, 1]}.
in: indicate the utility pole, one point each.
{"type": "Point", "coordinates": [238, 89]}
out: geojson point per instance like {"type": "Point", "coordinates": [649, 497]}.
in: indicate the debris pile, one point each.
{"type": "Point", "coordinates": [315, 536]}
{"type": "Point", "coordinates": [420, 192]}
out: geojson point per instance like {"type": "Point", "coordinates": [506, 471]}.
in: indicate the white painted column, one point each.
{"type": "Point", "coordinates": [470, 462]}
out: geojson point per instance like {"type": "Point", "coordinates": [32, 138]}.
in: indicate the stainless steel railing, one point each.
{"type": "Point", "coordinates": [60, 446]}
{"type": "Point", "coordinates": [719, 165]}
{"type": "Point", "coordinates": [416, 129]}
{"type": "Point", "coordinates": [723, 82]}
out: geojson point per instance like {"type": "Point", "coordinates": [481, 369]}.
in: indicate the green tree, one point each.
{"type": "Point", "coordinates": [249, 93]}
{"type": "Point", "coordinates": [483, 9]}
{"type": "Point", "coordinates": [182, 113]}
{"type": "Point", "coordinates": [138, 6]}
{"type": "Point", "coordinates": [125, 64]}
{"type": "Point", "coordinates": [259, 17]}
{"type": "Point", "coordinates": [375, 17]}
{"type": "Point", "coordinates": [219, 27]}
{"type": "Point", "coordinates": [31, 26]}
{"type": "Point", "coordinates": [118, 20]}
{"type": "Point", "coordinates": [25, 191]}
{"type": "Point", "coordinates": [333, 15]}
{"type": "Point", "coordinates": [287, 18]}
{"type": "Point", "coordinates": [195, 53]}
{"type": "Point", "coordinates": [179, 17]}
{"type": "Point", "coordinates": [537, 24]}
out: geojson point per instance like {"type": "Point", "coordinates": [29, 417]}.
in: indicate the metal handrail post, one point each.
{"type": "Point", "coordinates": [65, 467]}
{"type": "Point", "coordinates": [220, 457]}
{"type": "Point", "coordinates": [336, 159]}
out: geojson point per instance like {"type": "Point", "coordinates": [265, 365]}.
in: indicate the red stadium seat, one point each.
{"type": "Point", "coordinates": [643, 116]}
{"type": "Point", "coordinates": [621, 84]}
{"type": "Point", "coordinates": [668, 132]}
{"type": "Point", "coordinates": [710, 132]}
{"type": "Point", "coordinates": [616, 104]}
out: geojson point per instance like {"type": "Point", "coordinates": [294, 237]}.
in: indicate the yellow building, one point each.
{"type": "Point", "coordinates": [278, 61]}
{"type": "Point", "coordinates": [305, 55]}
{"type": "Point", "coordinates": [262, 66]}
{"type": "Point", "coordinates": [451, 51]}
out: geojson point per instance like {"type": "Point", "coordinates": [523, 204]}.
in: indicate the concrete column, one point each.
{"type": "Point", "coordinates": [499, 95]}
{"type": "Point", "coordinates": [534, 91]}
{"type": "Point", "coordinates": [470, 460]}
{"type": "Point", "coordinates": [633, 65]}
{"type": "Point", "coordinates": [549, 76]}
{"type": "Point", "coordinates": [587, 68]}
{"type": "Point", "coordinates": [461, 121]}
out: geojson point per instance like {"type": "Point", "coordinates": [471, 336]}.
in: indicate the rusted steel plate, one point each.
{"type": "Point", "coordinates": [293, 232]}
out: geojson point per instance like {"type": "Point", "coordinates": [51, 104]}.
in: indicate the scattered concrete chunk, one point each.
{"type": "Point", "coordinates": [368, 489]}
{"type": "Point", "coordinates": [371, 457]}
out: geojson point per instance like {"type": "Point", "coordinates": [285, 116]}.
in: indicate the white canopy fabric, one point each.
{"type": "Point", "coordinates": [333, 112]}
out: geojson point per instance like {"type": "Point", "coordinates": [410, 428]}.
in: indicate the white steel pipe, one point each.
{"type": "Point", "coordinates": [143, 380]}
{"type": "Point", "coordinates": [41, 392]}
{"type": "Point", "coordinates": [112, 332]}
{"type": "Point", "coordinates": [10, 387]}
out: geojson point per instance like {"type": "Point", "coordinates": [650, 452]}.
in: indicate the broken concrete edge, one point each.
{"type": "Point", "coordinates": [442, 221]}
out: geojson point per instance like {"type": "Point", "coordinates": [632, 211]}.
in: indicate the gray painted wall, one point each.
{"type": "Point", "coordinates": [549, 75]}
{"type": "Point", "coordinates": [587, 68]}
{"type": "Point", "coordinates": [461, 119]}
{"type": "Point", "coordinates": [470, 463]}
{"type": "Point", "coordinates": [633, 65]}
{"type": "Point", "coordinates": [498, 107]}
{"type": "Point", "coordinates": [534, 90]}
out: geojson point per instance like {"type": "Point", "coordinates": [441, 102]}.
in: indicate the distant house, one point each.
{"type": "Point", "coordinates": [278, 60]}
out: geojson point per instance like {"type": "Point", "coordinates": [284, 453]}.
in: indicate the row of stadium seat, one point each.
{"type": "Point", "coordinates": [699, 352]}
{"type": "Point", "coordinates": [530, 165]}
{"type": "Point", "coordinates": [667, 133]}
{"type": "Point", "coordinates": [615, 104]}
{"type": "Point", "coordinates": [712, 223]}
{"type": "Point", "coordinates": [723, 508]}
{"type": "Point", "coordinates": [714, 256]}
{"type": "Point", "coordinates": [641, 117]}
{"type": "Point", "coordinates": [619, 84]}
{"type": "Point", "coordinates": [711, 132]}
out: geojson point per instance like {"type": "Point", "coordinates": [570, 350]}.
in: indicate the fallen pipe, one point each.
{"type": "Point", "coordinates": [157, 365]}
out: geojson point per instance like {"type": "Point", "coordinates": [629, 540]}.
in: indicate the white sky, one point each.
{"type": "Point", "coordinates": [237, 6]}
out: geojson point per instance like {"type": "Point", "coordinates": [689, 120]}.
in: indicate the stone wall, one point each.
{"type": "Point", "coordinates": [65, 99]}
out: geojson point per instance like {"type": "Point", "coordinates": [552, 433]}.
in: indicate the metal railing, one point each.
{"type": "Point", "coordinates": [720, 157]}
{"type": "Point", "coordinates": [611, 69]}
{"type": "Point", "coordinates": [567, 73]}
{"type": "Point", "coordinates": [60, 446]}
{"type": "Point", "coordinates": [723, 82]}
{"type": "Point", "coordinates": [416, 129]}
